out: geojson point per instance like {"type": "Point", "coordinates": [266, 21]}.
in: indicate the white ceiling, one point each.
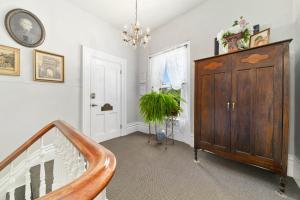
{"type": "Point", "coordinates": [152, 13]}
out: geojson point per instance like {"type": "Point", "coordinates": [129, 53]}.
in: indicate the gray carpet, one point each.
{"type": "Point", "coordinates": [148, 172]}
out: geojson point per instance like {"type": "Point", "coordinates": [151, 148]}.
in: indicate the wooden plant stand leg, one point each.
{"type": "Point", "coordinates": [149, 136]}
{"type": "Point", "coordinates": [166, 147]}
{"type": "Point", "coordinates": [173, 141]}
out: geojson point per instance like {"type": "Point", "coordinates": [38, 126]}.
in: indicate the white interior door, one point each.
{"type": "Point", "coordinates": [105, 99]}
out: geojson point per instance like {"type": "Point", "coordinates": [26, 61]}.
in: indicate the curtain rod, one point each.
{"type": "Point", "coordinates": [169, 49]}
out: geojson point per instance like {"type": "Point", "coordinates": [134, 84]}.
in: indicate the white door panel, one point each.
{"type": "Point", "coordinates": [106, 112]}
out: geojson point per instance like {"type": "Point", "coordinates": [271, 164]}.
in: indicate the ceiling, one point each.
{"type": "Point", "coordinates": [152, 13]}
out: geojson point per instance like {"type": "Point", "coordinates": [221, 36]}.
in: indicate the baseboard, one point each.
{"type": "Point", "coordinates": [136, 127]}
{"type": "Point", "coordinates": [144, 128]}
{"type": "Point", "coordinates": [296, 170]}
{"type": "Point", "coordinates": [290, 166]}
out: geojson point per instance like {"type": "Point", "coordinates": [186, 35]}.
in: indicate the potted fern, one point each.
{"type": "Point", "coordinates": [155, 107]}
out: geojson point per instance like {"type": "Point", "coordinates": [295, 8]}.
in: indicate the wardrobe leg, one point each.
{"type": "Point", "coordinates": [196, 155]}
{"type": "Point", "coordinates": [282, 184]}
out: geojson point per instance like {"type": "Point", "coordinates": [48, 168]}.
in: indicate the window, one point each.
{"type": "Point", "coordinates": [168, 70]}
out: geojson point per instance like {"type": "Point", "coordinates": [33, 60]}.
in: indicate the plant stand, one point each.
{"type": "Point", "coordinates": [170, 120]}
{"type": "Point", "coordinates": [167, 121]}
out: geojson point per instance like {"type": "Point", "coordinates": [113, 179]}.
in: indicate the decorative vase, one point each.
{"type": "Point", "coordinates": [233, 42]}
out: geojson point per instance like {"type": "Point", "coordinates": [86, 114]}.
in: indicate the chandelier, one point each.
{"type": "Point", "coordinates": [135, 35]}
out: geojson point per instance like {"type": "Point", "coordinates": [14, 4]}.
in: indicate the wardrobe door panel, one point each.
{"type": "Point", "coordinates": [222, 93]}
{"type": "Point", "coordinates": [257, 91]}
{"type": "Point", "coordinates": [206, 111]}
{"type": "Point", "coordinates": [243, 86]}
{"type": "Point", "coordinates": [212, 114]}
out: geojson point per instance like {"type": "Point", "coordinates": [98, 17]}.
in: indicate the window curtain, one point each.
{"type": "Point", "coordinates": [175, 64]}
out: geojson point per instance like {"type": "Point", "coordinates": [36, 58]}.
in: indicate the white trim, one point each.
{"type": "Point", "coordinates": [87, 53]}
{"type": "Point", "coordinates": [290, 166]}
{"type": "Point", "coordinates": [169, 49]}
{"type": "Point", "coordinates": [136, 127]}
{"type": "Point", "coordinates": [296, 174]}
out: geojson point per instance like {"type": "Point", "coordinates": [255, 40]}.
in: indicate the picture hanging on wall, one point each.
{"type": "Point", "coordinates": [25, 28]}
{"type": "Point", "coordinates": [48, 67]}
{"type": "Point", "coordinates": [9, 61]}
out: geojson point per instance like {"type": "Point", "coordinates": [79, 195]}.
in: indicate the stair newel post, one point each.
{"type": "Point", "coordinates": [11, 182]}
{"type": "Point", "coordinates": [42, 169]}
{"type": "Point", "coordinates": [27, 177]}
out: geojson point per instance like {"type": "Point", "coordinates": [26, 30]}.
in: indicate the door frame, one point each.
{"type": "Point", "coordinates": [87, 54]}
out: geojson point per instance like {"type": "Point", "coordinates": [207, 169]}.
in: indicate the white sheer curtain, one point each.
{"type": "Point", "coordinates": [175, 62]}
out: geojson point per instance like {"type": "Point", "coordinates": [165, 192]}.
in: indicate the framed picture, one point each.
{"type": "Point", "coordinates": [25, 28]}
{"type": "Point", "coordinates": [9, 61]}
{"type": "Point", "coordinates": [48, 66]}
{"type": "Point", "coordinates": [259, 39]}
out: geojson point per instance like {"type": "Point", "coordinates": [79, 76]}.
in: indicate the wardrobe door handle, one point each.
{"type": "Point", "coordinates": [228, 106]}
{"type": "Point", "coordinates": [233, 106]}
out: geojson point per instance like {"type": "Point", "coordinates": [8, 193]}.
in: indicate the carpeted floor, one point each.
{"type": "Point", "coordinates": [148, 172]}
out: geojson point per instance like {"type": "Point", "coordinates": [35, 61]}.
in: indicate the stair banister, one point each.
{"type": "Point", "coordinates": [91, 165]}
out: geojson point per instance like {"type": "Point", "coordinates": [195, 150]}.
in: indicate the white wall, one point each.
{"type": "Point", "coordinates": [201, 25]}
{"type": "Point", "coordinates": [25, 105]}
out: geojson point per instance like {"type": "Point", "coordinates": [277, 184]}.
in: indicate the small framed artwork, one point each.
{"type": "Point", "coordinates": [260, 39]}
{"type": "Point", "coordinates": [9, 61]}
{"type": "Point", "coordinates": [25, 28]}
{"type": "Point", "coordinates": [48, 67]}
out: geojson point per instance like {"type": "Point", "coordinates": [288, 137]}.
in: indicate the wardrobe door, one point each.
{"type": "Point", "coordinates": [257, 82]}
{"type": "Point", "coordinates": [212, 114]}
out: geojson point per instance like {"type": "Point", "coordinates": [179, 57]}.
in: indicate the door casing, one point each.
{"type": "Point", "coordinates": [87, 55]}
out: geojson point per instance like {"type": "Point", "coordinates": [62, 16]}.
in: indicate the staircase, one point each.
{"type": "Point", "coordinates": [57, 163]}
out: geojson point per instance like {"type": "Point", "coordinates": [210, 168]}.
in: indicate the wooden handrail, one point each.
{"type": "Point", "coordinates": [101, 168]}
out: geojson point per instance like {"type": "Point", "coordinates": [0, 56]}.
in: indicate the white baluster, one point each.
{"type": "Point", "coordinates": [82, 164]}
{"type": "Point", "coordinates": [42, 170]}
{"type": "Point", "coordinates": [12, 183]}
{"type": "Point", "coordinates": [74, 163]}
{"type": "Point", "coordinates": [64, 159]}
{"type": "Point", "coordinates": [27, 177]}
{"type": "Point", "coordinates": [57, 168]}
{"type": "Point", "coordinates": [78, 166]}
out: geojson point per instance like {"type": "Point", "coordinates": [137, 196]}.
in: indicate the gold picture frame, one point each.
{"type": "Point", "coordinates": [9, 61]}
{"type": "Point", "coordinates": [261, 38]}
{"type": "Point", "coordinates": [48, 67]}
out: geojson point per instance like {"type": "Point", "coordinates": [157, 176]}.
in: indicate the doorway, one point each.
{"type": "Point", "coordinates": [104, 95]}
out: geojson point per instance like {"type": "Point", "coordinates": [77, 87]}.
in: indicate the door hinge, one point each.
{"type": "Point", "coordinates": [121, 126]}
{"type": "Point", "coordinates": [120, 71]}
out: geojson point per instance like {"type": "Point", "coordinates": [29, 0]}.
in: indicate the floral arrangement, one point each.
{"type": "Point", "coordinates": [240, 26]}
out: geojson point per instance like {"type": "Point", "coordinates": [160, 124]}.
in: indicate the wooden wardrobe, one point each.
{"type": "Point", "coordinates": [242, 106]}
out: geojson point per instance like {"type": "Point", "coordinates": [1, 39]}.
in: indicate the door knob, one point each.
{"type": "Point", "coordinates": [228, 106]}
{"type": "Point", "coordinates": [93, 105]}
